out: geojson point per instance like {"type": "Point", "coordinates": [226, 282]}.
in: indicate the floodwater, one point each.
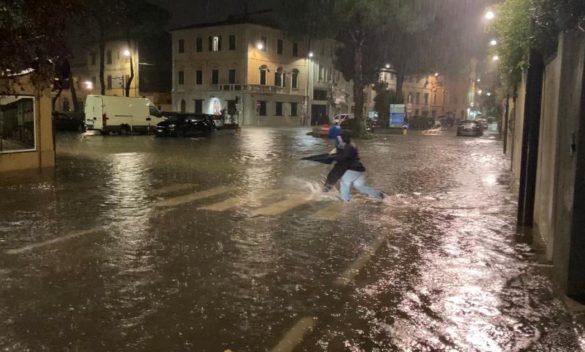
{"type": "Point", "coordinates": [227, 243]}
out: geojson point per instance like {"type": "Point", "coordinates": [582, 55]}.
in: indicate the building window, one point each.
{"type": "Point", "coordinates": [199, 44]}
{"type": "Point", "coordinates": [264, 44]}
{"type": "Point", "coordinates": [409, 97]}
{"type": "Point", "coordinates": [263, 73]}
{"type": "Point", "coordinates": [416, 112]}
{"type": "Point", "coordinates": [232, 76]}
{"type": "Point", "coordinates": [232, 107]}
{"type": "Point", "coordinates": [198, 106]}
{"type": "Point", "coordinates": [109, 82]}
{"type": "Point", "coordinates": [232, 42]}
{"type": "Point", "coordinates": [426, 98]}
{"type": "Point", "coordinates": [181, 78]}
{"type": "Point", "coordinates": [215, 43]}
{"type": "Point", "coordinates": [295, 78]}
{"type": "Point", "coordinates": [109, 57]}
{"type": "Point", "coordinates": [279, 48]}
{"type": "Point", "coordinates": [183, 106]}
{"type": "Point", "coordinates": [295, 49]}
{"type": "Point", "coordinates": [319, 94]}
{"type": "Point", "coordinates": [279, 77]}
{"type": "Point", "coordinates": [181, 46]}
{"type": "Point", "coordinates": [17, 123]}
{"type": "Point", "coordinates": [214, 76]}
{"type": "Point", "coordinates": [417, 98]}
{"type": "Point", "coordinates": [262, 108]}
{"type": "Point", "coordinates": [278, 108]}
{"type": "Point", "coordinates": [199, 77]}
{"type": "Point", "coordinates": [92, 56]}
{"type": "Point", "coordinates": [294, 109]}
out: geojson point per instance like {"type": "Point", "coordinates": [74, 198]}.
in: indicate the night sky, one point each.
{"type": "Point", "coordinates": [186, 12]}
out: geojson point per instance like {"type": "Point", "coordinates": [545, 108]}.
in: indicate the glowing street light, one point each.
{"type": "Point", "coordinates": [478, 80]}
{"type": "Point", "coordinates": [490, 15]}
{"type": "Point", "coordinates": [311, 54]}
{"type": "Point", "coordinates": [489, 94]}
{"type": "Point", "coordinates": [126, 52]}
{"type": "Point", "coordinates": [493, 42]}
{"type": "Point", "coordinates": [260, 46]}
{"type": "Point", "coordinates": [495, 58]}
{"type": "Point", "coordinates": [436, 74]}
{"type": "Point", "coordinates": [480, 92]}
{"type": "Point", "coordinates": [387, 65]}
{"type": "Point", "coordinates": [88, 85]}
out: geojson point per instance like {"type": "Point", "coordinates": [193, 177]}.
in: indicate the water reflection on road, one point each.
{"type": "Point", "coordinates": [144, 244]}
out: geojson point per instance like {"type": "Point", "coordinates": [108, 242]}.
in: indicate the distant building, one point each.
{"type": "Point", "coordinates": [255, 74]}
{"type": "Point", "coordinates": [151, 61]}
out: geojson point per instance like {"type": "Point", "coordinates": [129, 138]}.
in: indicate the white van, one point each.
{"type": "Point", "coordinates": [120, 114]}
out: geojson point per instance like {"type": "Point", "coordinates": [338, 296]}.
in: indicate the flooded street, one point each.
{"type": "Point", "coordinates": [227, 243]}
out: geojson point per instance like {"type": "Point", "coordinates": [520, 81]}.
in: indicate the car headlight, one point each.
{"type": "Point", "coordinates": [172, 125]}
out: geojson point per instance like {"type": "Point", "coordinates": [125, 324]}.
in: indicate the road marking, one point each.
{"type": "Point", "coordinates": [237, 201]}
{"type": "Point", "coordinates": [172, 202]}
{"type": "Point", "coordinates": [282, 206]}
{"type": "Point", "coordinates": [351, 272]}
{"type": "Point", "coordinates": [330, 212]}
{"type": "Point", "coordinates": [53, 241]}
{"type": "Point", "coordinates": [295, 335]}
{"type": "Point", "coordinates": [173, 188]}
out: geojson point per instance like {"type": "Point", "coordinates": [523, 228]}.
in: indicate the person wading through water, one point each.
{"type": "Point", "coordinates": [350, 170]}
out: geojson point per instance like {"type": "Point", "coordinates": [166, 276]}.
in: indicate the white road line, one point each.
{"type": "Point", "coordinates": [53, 241]}
{"type": "Point", "coordinates": [172, 188]}
{"type": "Point", "coordinates": [171, 202]}
{"type": "Point", "coordinates": [238, 201]}
{"type": "Point", "coordinates": [351, 272]}
{"type": "Point", "coordinates": [282, 206]}
{"type": "Point", "coordinates": [295, 335]}
{"type": "Point", "coordinates": [330, 212]}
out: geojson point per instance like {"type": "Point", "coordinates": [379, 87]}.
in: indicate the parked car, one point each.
{"type": "Point", "coordinates": [185, 125]}
{"type": "Point", "coordinates": [469, 128]}
{"type": "Point", "coordinates": [69, 121]}
{"type": "Point", "coordinates": [483, 122]}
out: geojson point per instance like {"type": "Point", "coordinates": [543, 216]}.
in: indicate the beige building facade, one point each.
{"type": "Point", "coordinates": [26, 131]}
{"type": "Point", "coordinates": [255, 75]}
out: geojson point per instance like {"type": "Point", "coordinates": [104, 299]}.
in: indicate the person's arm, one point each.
{"type": "Point", "coordinates": [344, 154]}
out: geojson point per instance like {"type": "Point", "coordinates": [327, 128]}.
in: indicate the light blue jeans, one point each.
{"type": "Point", "coordinates": [358, 181]}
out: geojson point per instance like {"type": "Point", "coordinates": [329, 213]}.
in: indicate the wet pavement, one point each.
{"type": "Point", "coordinates": [227, 243]}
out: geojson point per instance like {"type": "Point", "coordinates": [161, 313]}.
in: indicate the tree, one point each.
{"type": "Point", "coordinates": [385, 97]}
{"type": "Point", "coordinates": [33, 35]}
{"type": "Point", "coordinates": [364, 27]}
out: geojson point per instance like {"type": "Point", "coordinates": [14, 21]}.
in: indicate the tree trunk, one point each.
{"type": "Point", "coordinates": [131, 77]}
{"type": "Point", "coordinates": [358, 85]}
{"type": "Point", "coordinates": [54, 100]}
{"type": "Point", "coordinates": [102, 46]}
{"type": "Point", "coordinates": [73, 94]}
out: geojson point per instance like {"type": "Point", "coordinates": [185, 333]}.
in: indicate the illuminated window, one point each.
{"type": "Point", "coordinates": [215, 43]}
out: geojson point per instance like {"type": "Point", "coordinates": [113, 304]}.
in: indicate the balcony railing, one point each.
{"type": "Point", "coordinates": [256, 88]}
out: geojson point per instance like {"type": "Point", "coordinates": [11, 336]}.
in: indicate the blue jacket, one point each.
{"type": "Point", "coordinates": [334, 132]}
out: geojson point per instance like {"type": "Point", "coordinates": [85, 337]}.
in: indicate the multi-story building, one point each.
{"type": "Point", "coordinates": [255, 74]}
{"type": "Point", "coordinates": [149, 58]}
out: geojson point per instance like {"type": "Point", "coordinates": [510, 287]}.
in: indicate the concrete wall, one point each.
{"type": "Point", "coordinates": [44, 154]}
{"type": "Point", "coordinates": [547, 155]}
{"type": "Point", "coordinates": [569, 208]}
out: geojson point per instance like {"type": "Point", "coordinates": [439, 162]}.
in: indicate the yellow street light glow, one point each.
{"type": "Point", "coordinates": [436, 74]}
{"type": "Point", "coordinates": [126, 52]}
{"type": "Point", "coordinates": [387, 65]}
{"type": "Point", "coordinates": [495, 58]}
{"type": "Point", "coordinates": [493, 42]}
{"type": "Point", "coordinates": [88, 85]}
{"type": "Point", "coordinates": [311, 54]}
{"type": "Point", "coordinates": [490, 15]}
{"type": "Point", "coordinates": [260, 46]}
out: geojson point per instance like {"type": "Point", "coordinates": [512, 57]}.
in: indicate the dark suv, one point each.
{"type": "Point", "coordinates": [185, 125]}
